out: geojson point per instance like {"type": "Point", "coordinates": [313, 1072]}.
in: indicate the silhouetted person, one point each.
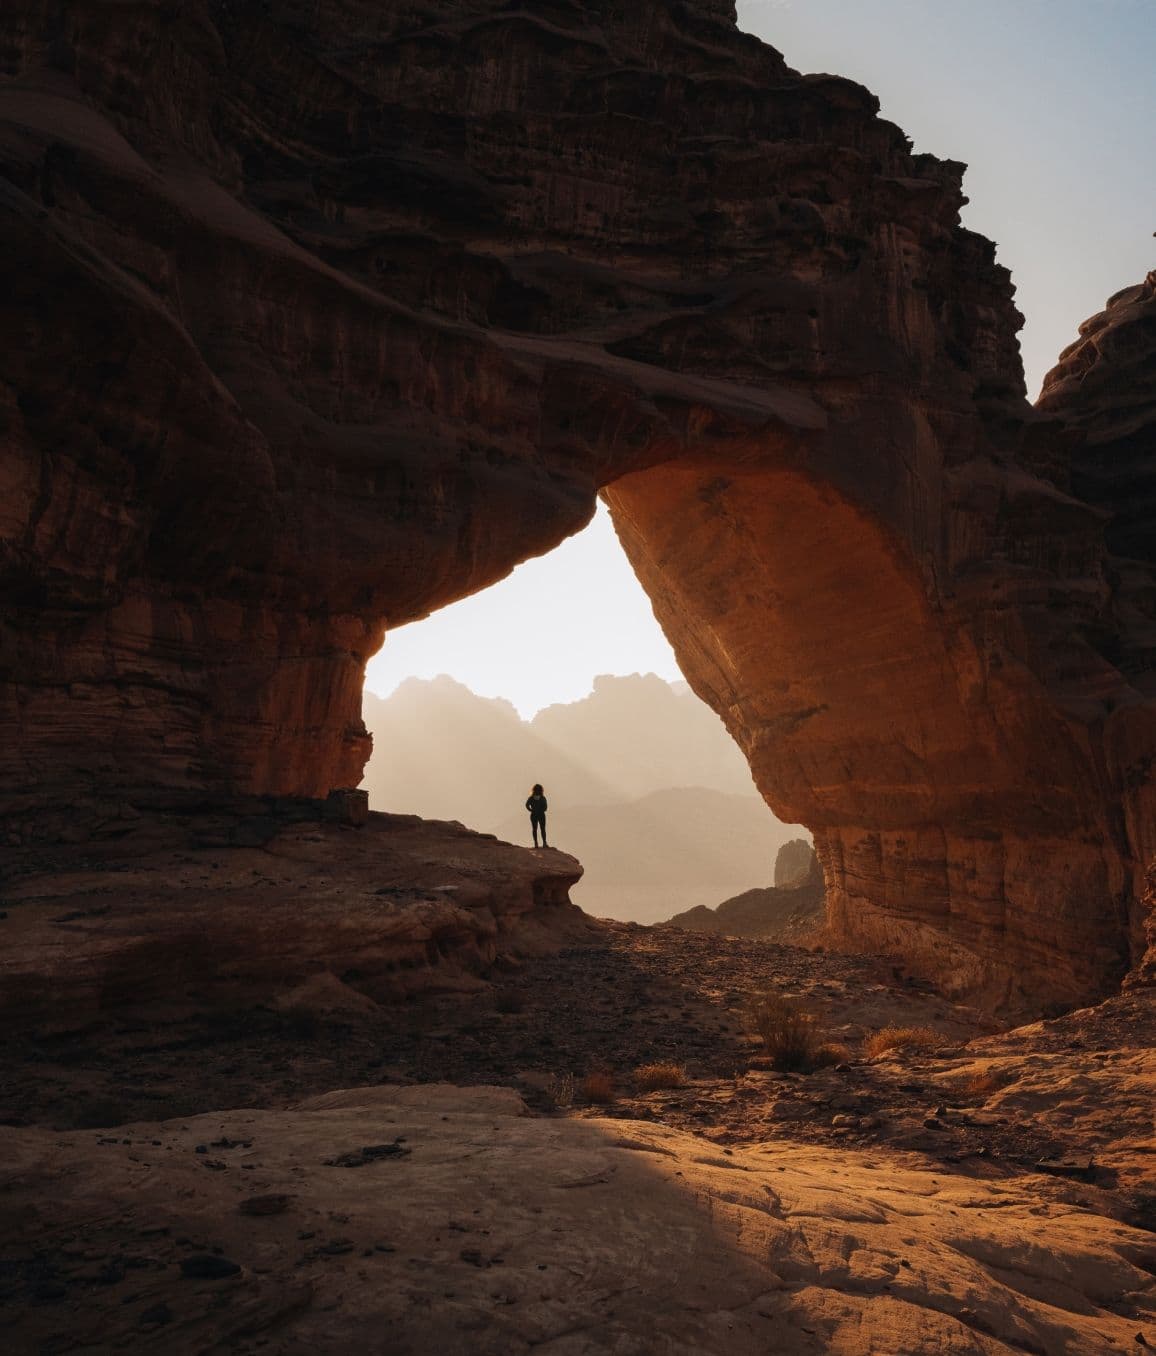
{"type": "Point", "coordinates": [536, 804]}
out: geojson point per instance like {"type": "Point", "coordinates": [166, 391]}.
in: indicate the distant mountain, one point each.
{"type": "Point", "coordinates": [644, 734]}
{"type": "Point", "coordinates": [442, 752]}
{"type": "Point", "coordinates": [645, 786]}
{"type": "Point", "coordinates": [650, 857]}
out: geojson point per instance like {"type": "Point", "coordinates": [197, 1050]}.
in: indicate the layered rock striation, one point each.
{"type": "Point", "coordinates": [269, 905]}
{"type": "Point", "coordinates": [1104, 390]}
{"type": "Point", "coordinates": [322, 317]}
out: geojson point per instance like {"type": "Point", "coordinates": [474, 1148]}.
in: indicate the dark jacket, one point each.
{"type": "Point", "coordinates": [537, 807]}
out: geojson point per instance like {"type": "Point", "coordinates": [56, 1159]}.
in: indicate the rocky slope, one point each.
{"type": "Point", "coordinates": [989, 1196]}
{"type": "Point", "coordinates": [322, 317]}
{"type": "Point", "coordinates": [788, 912]}
{"type": "Point", "coordinates": [1104, 388]}
{"type": "Point", "coordinates": [1104, 385]}
{"type": "Point", "coordinates": [378, 1211]}
{"type": "Point", "coordinates": [227, 911]}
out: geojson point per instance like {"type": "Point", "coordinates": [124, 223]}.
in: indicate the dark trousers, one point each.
{"type": "Point", "coordinates": [538, 822]}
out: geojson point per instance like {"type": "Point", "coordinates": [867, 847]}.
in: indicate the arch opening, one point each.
{"type": "Point", "coordinates": [561, 674]}
{"type": "Point", "coordinates": [321, 382]}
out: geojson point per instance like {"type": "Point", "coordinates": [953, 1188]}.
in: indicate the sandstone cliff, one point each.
{"type": "Point", "coordinates": [321, 317]}
{"type": "Point", "coordinates": [264, 906]}
{"type": "Point", "coordinates": [1104, 390]}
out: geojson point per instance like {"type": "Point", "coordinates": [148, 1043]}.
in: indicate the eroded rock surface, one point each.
{"type": "Point", "coordinates": [991, 1193]}
{"type": "Point", "coordinates": [401, 906]}
{"type": "Point", "coordinates": [1104, 389]}
{"type": "Point", "coordinates": [449, 1220]}
{"type": "Point", "coordinates": [320, 318]}
{"type": "Point", "coordinates": [794, 863]}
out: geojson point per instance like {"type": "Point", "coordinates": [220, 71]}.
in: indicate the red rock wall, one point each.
{"type": "Point", "coordinates": [324, 316]}
{"type": "Point", "coordinates": [1104, 390]}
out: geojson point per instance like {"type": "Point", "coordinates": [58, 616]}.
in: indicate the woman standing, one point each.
{"type": "Point", "coordinates": [536, 804]}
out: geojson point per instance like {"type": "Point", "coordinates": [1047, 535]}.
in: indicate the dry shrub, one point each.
{"type": "Point", "coordinates": [902, 1038]}
{"type": "Point", "coordinates": [559, 1091]}
{"type": "Point", "coordinates": [831, 1053]}
{"type": "Point", "coordinates": [983, 1082]}
{"type": "Point", "coordinates": [598, 1087]}
{"type": "Point", "coordinates": [790, 1036]}
{"type": "Point", "coordinates": [651, 1077]}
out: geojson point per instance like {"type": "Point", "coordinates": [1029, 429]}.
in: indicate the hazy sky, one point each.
{"type": "Point", "coordinates": [1052, 105]}
{"type": "Point", "coordinates": [542, 634]}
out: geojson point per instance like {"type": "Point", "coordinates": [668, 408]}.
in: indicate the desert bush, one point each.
{"type": "Point", "coordinates": [902, 1038]}
{"type": "Point", "coordinates": [598, 1087]}
{"type": "Point", "coordinates": [983, 1082]}
{"type": "Point", "coordinates": [559, 1091]}
{"type": "Point", "coordinates": [831, 1053]}
{"type": "Point", "coordinates": [790, 1036]}
{"type": "Point", "coordinates": [651, 1077]}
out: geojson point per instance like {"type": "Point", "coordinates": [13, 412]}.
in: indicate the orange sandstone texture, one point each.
{"type": "Point", "coordinates": [322, 317]}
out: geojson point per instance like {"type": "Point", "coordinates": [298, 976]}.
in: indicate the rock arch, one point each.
{"type": "Point", "coordinates": [325, 318]}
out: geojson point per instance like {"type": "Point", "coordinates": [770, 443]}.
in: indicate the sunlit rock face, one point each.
{"type": "Point", "coordinates": [321, 317]}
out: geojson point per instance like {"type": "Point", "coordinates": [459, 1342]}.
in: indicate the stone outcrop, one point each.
{"type": "Point", "coordinates": [1104, 385]}
{"type": "Point", "coordinates": [454, 1222]}
{"type": "Point", "coordinates": [320, 318]}
{"type": "Point", "coordinates": [1104, 390]}
{"type": "Point", "coordinates": [795, 862]}
{"type": "Point", "coordinates": [788, 913]}
{"type": "Point", "coordinates": [1143, 974]}
{"type": "Point", "coordinates": [273, 906]}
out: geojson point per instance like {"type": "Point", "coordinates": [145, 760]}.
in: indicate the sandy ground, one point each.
{"type": "Point", "coordinates": [626, 996]}
{"type": "Point", "coordinates": [436, 1219]}
{"type": "Point", "coordinates": [994, 1195]}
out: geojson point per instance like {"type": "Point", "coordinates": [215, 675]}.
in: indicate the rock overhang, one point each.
{"type": "Point", "coordinates": [313, 333]}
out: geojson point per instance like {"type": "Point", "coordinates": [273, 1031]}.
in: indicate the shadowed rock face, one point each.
{"type": "Point", "coordinates": [324, 316]}
{"type": "Point", "coordinates": [1104, 389]}
{"type": "Point", "coordinates": [794, 863]}
{"type": "Point", "coordinates": [1105, 385]}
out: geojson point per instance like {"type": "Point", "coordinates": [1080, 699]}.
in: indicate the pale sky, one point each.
{"type": "Point", "coordinates": [540, 636]}
{"type": "Point", "coordinates": [1052, 105]}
